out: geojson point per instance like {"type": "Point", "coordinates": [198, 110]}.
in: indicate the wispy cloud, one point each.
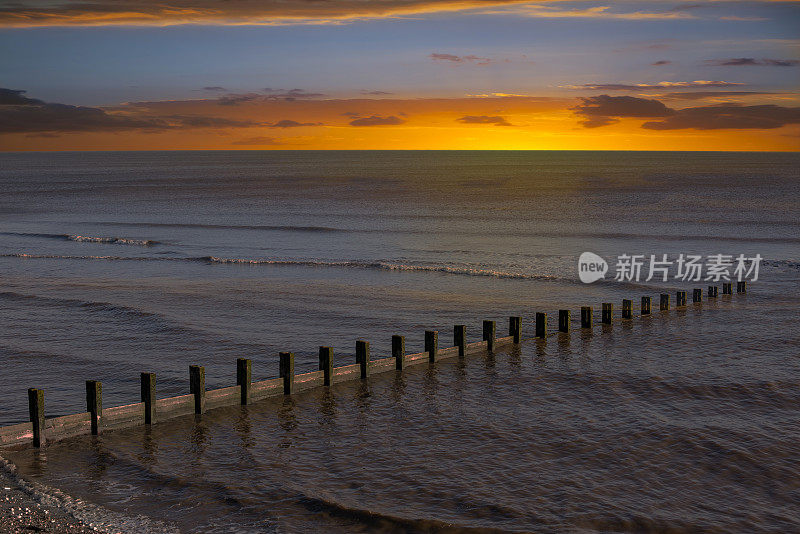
{"type": "Point", "coordinates": [752, 62]}
{"type": "Point", "coordinates": [31, 13]}
{"type": "Point", "coordinates": [452, 58]}
{"type": "Point", "coordinates": [539, 10]}
{"type": "Point", "coordinates": [650, 86]}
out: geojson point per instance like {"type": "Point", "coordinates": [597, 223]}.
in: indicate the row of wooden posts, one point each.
{"type": "Point", "coordinates": [197, 387]}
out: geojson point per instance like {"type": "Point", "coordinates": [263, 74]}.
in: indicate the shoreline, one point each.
{"type": "Point", "coordinates": [23, 507]}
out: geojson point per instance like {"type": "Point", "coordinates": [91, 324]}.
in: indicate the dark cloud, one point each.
{"type": "Point", "coordinates": [750, 61]}
{"type": "Point", "coordinates": [621, 106]}
{"type": "Point", "coordinates": [596, 122]}
{"type": "Point", "coordinates": [376, 120]}
{"type": "Point", "coordinates": [19, 114]}
{"type": "Point", "coordinates": [234, 100]}
{"type": "Point", "coordinates": [351, 114]}
{"type": "Point", "coordinates": [374, 93]}
{"type": "Point", "coordinates": [604, 110]}
{"type": "Point", "coordinates": [286, 123]}
{"type": "Point", "coordinates": [651, 86]}
{"type": "Point", "coordinates": [728, 116]}
{"type": "Point", "coordinates": [63, 118]}
{"type": "Point", "coordinates": [257, 141]}
{"type": "Point", "coordinates": [214, 88]}
{"type": "Point", "coordinates": [13, 97]}
{"type": "Point", "coordinates": [661, 62]}
{"type": "Point", "coordinates": [484, 119]}
{"type": "Point", "coordinates": [460, 59]}
{"type": "Point", "coordinates": [46, 135]}
{"type": "Point", "coordinates": [699, 95]}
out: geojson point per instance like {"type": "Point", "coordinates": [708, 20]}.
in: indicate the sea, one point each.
{"type": "Point", "coordinates": [117, 263]}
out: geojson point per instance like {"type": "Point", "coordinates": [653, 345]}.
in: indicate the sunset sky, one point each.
{"type": "Point", "coordinates": [399, 74]}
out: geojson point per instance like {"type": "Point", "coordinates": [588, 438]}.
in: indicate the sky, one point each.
{"type": "Point", "coordinates": [399, 74]}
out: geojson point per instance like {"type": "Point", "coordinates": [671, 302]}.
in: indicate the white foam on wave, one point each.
{"type": "Point", "coordinates": [464, 270]}
{"type": "Point", "coordinates": [93, 516]}
{"type": "Point", "coordinates": [112, 240]}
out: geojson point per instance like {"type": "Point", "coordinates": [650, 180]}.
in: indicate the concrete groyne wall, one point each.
{"type": "Point", "coordinates": [40, 430]}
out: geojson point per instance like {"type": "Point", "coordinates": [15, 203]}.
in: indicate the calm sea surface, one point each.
{"type": "Point", "coordinates": [689, 421]}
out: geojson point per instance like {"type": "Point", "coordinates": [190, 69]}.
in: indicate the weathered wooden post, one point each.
{"type": "Point", "coordinates": [286, 366]}
{"type": "Point", "coordinates": [564, 318]}
{"type": "Point", "coordinates": [94, 404]}
{"type": "Point", "coordinates": [36, 411]}
{"type": "Point", "coordinates": [741, 287]}
{"type": "Point", "coordinates": [460, 339]}
{"type": "Point", "coordinates": [541, 325]}
{"type": "Point", "coordinates": [362, 357]}
{"type": "Point", "coordinates": [697, 295]}
{"type": "Point", "coordinates": [627, 309]}
{"type": "Point", "coordinates": [607, 315]}
{"type": "Point", "coordinates": [244, 377]}
{"type": "Point", "coordinates": [727, 288]}
{"type": "Point", "coordinates": [587, 317]}
{"type": "Point", "coordinates": [646, 302]}
{"type": "Point", "coordinates": [147, 388]}
{"type": "Point", "coordinates": [326, 364]}
{"type": "Point", "coordinates": [713, 292]}
{"type": "Point", "coordinates": [197, 386]}
{"type": "Point", "coordinates": [489, 331]}
{"type": "Point", "coordinates": [664, 302]}
{"type": "Point", "coordinates": [399, 352]}
{"type": "Point", "coordinates": [431, 344]}
{"type": "Point", "coordinates": [514, 328]}
{"type": "Point", "coordinates": [680, 299]}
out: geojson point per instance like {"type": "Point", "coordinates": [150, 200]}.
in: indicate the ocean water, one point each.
{"type": "Point", "coordinates": [116, 263]}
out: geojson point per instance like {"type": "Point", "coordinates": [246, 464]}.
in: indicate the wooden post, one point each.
{"type": "Point", "coordinates": [287, 371]}
{"type": "Point", "coordinates": [399, 352]}
{"type": "Point", "coordinates": [607, 316]}
{"type": "Point", "coordinates": [94, 404]}
{"type": "Point", "coordinates": [727, 288]}
{"type": "Point", "coordinates": [541, 325]}
{"type": "Point", "coordinates": [514, 328]}
{"type": "Point", "coordinates": [741, 287]}
{"type": "Point", "coordinates": [627, 309]}
{"type": "Point", "coordinates": [697, 295]}
{"type": "Point", "coordinates": [713, 291]}
{"type": "Point", "coordinates": [431, 344]}
{"type": "Point", "coordinates": [244, 377]}
{"type": "Point", "coordinates": [362, 357]}
{"type": "Point", "coordinates": [36, 411]}
{"type": "Point", "coordinates": [680, 299]}
{"type": "Point", "coordinates": [664, 303]}
{"type": "Point", "coordinates": [197, 386]}
{"type": "Point", "coordinates": [326, 364]}
{"type": "Point", "coordinates": [564, 318]}
{"type": "Point", "coordinates": [460, 339]}
{"type": "Point", "coordinates": [489, 331]}
{"type": "Point", "coordinates": [646, 302]}
{"type": "Point", "coordinates": [587, 317]}
{"type": "Point", "coordinates": [148, 396]}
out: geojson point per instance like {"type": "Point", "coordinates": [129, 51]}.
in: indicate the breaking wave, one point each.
{"type": "Point", "coordinates": [91, 239]}
{"type": "Point", "coordinates": [465, 270]}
